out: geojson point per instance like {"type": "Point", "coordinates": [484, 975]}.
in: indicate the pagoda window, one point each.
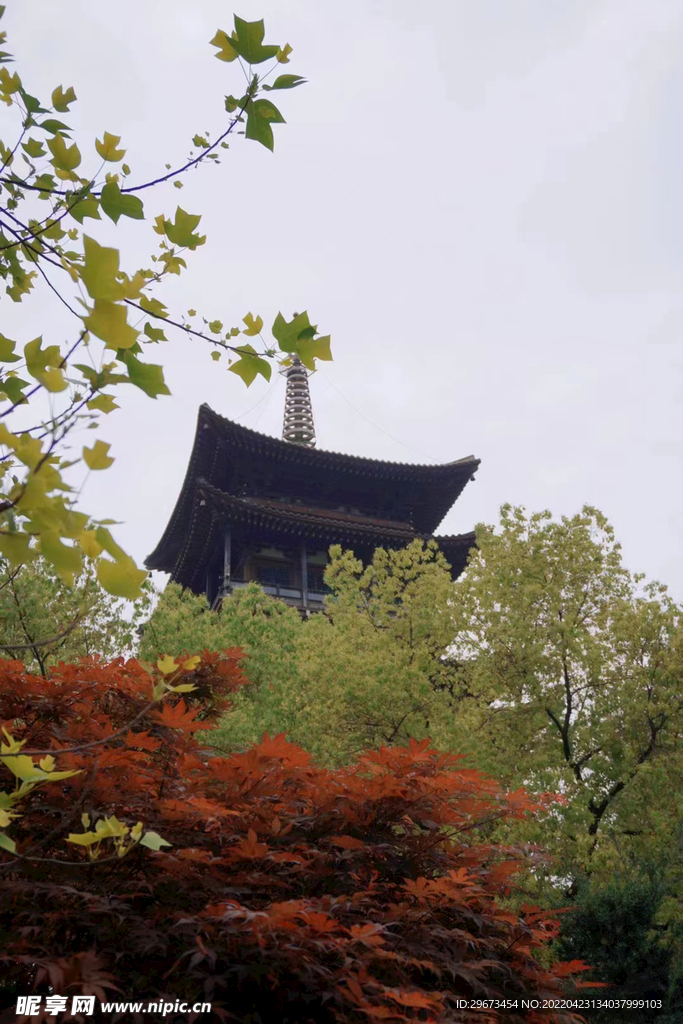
{"type": "Point", "coordinates": [274, 574]}
{"type": "Point", "coordinates": [316, 580]}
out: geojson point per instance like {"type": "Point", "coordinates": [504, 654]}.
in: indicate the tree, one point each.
{"type": "Point", "coordinates": [368, 671]}
{"type": "Point", "coordinates": [50, 391]}
{"type": "Point", "coordinates": [267, 631]}
{"type": "Point", "coordinates": [277, 890]}
{"type": "Point", "coordinates": [372, 668]}
{"type": "Point", "coordinates": [617, 928]}
{"type": "Point", "coordinates": [570, 679]}
{"type": "Point", "coordinates": [42, 620]}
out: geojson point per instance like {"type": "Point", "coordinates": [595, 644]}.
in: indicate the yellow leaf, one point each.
{"type": "Point", "coordinates": [23, 767]}
{"type": "Point", "coordinates": [167, 665]}
{"type": "Point", "coordinates": [103, 403]}
{"type": "Point", "coordinates": [83, 838]}
{"type": "Point", "coordinates": [47, 763]}
{"type": "Point", "coordinates": [107, 148]}
{"type": "Point", "coordinates": [122, 579]}
{"type": "Point", "coordinates": [61, 99]}
{"type": "Point", "coordinates": [191, 663]}
{"type": "Point", "coordinates": [282, 55]}
{"type": "Point", "coordinates": [254, 326]}
{"type": "Point", "coordinates": [222, 41]}
{"type": "Point", "coordinates": [53, 380]}
{"type": "Point", "coordinates": [6, 817]}
{"type": "Point", "coordinates": [97, 457]}
{"type": "Point", "coordinates": [67, 560]}
{"type": "Point", "coordinates": [64, 158]}
{"type": "Point", "coordinates": [109, 322]}
{"type": "Point", "coordinates": [109, 544]}
{"type": "Point", "coordinates": [100, 270]}
{"type": "Point", "coordinates": [89, 545]}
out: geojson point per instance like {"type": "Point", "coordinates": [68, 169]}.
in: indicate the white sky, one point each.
{"type": "Point", "coordinates": [480, 201]}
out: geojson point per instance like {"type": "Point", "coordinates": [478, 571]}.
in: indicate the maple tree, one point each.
{"type": "Point", "coordinates": [50, 391]}
{"type": "Point", "coordinates": [136, 861]}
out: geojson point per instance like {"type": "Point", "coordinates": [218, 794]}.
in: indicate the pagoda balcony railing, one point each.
{"type": "Point", "coordinates": [314, 600]}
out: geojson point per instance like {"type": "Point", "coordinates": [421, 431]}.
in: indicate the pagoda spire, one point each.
{"type": "Point", "coordinates": [298, 426]}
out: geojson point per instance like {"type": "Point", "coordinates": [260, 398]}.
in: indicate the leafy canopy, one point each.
{"type": "Point", "coordinates": [49, 391]}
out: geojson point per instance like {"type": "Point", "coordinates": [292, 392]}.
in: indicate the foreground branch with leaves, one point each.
{"type": "Point", "coordinates": [280, 890]}
{"type": "Point", "coordinates": [45, 197]}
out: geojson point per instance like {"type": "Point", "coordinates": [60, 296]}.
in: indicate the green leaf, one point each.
{"type": "Point", "coordinates": [32, 104]}
{"type": "Point", "coordinates": [109, 322]}
{"type": "Point", "coordinates": [47, 182]}
{"type": "Point", "coordinates": [14, 387]}
{"type": "Point", "coordinates": [97, 457]}
{"type": "Point", "coordinates": [247, 40]}
{"type": "Point", "coordinates": [287, 334]}
{"type": "Point", "coordinates": [52, 125]}
{"type": "Point", "coordinates": [103, 403]}
{"type": "Point", "coordinates": [285, 82]}
{"type": "Point", "coordinates": [116, 203]}
{"type": "Point", "coordinates": [146, 376]}
{"type": "Point", "coordinates": [107, 148]}
{"type": "Point", "coordinates": [15, 548]}
{"type": "Point", "coordinates": [7, 844]}
{"type": "Point", "coordinates": [99, 271]}
{"type": "Point", "coordinates": [154, 333]}
{"type": "Point", "coordinates": [153, 306]}
{"type": "Point", "coordinates": [122, 578]}
{"type": "Point", "coordinates": [200, 141]}
{"type": "Point", "coordinates": [153, 841]}
{"type": "Point", "coordinates": [88, 206]}
{"type": "Point", "coordinates": [180, 232]}
{"type": "Point", "coordinates": [215, 326]}
{"type": "Point", "coordinates": [7, 353]}
{"type": "Point", "coordinates": [249, 365]}
{"type": "Point", "coordinates": [224, 44]}
{"type": "Point", "coordinates": [61, 99]}
{"type": "Point", "coordinates": [260, 115]}
{"type": "Point", "coordinates": [65, 158]}
{"type": "Point", "coordinates": [311, 349]}
{"type": "Point", "coordinates": [282, 55]}
{"type": "Point", "coordinates": [44, 364]}
{"type": "Point", "coordinates": [34, 148]}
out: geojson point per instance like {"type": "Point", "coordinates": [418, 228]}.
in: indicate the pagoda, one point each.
{"type": "Point", "coordinates": [257, 508]}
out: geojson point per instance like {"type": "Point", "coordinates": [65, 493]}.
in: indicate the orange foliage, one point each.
{"type": "Point", "coordinates": [290, 893]}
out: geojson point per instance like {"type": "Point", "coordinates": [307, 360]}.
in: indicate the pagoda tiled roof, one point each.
{"type": "Point", "coordinates": [302, 518]}
{"type": "Point", "coordinates": [205, 503]}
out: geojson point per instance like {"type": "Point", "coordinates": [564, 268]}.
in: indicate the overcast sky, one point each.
{"type": "Point", "coordinates": [479, 200]}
